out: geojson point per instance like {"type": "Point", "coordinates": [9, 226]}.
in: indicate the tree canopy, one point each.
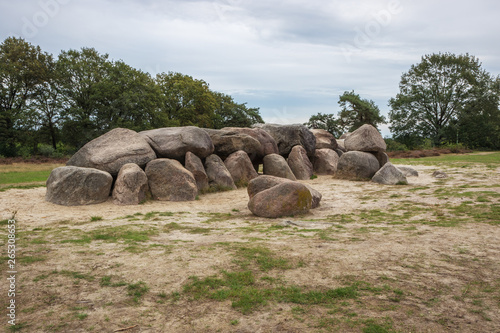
{"type": "Point", "coordinates": [448, 98]}
{"type": "Point", "coordinates": [355, 112]}
{"type": "Point", "coordinates": [81, 94]}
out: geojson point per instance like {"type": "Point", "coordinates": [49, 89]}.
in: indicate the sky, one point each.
{"type": "Point", "coordinates": [292, 59]}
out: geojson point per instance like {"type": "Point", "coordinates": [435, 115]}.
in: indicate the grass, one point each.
{"type": "Point", "coordinates": [490, 160]}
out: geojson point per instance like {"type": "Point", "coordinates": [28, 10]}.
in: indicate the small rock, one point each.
{"type": "Point", "coordinates": [439, 174]}
{"type": "Point", "coordinates": [408, 171]}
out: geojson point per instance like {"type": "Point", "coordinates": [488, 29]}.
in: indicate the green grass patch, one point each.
{"type": "Point", "coordinates": [490, 159]}
{"type": "Point", "coordinates": [247, 295]}
{"type": "Point", "coordinates": [14, 177]}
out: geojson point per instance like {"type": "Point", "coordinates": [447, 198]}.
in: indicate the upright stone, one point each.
{"type": "Point", "coordinates": [193, 163]}
{"type": "Point", "coordinates": [299, 163]}
{"type": "Point", "coordinates": [111, 151]}
{"type": "Point", "coordinates": [366, 138]}
{"type": "Point", "coordinates": [170, 181]}
{"type": "Point", "coordinates": [76, 186]}
{"type": "Point", "coordinates": [131, 186]}
{"type": "Point", "coordinates": [219, 178]}
{"type": "Point", "coordinates": [325, 162]}
{"type": "Point", "coordinates": [276, 165]}
{"type": "Point", "coordinates": [240, 167]}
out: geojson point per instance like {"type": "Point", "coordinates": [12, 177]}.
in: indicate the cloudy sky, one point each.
{"type": "Point", "coordinates": [290, 58]}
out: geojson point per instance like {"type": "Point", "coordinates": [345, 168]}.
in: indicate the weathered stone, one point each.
{"type": "Point", "coordinates": [325, 161]}
{"type": "Point", "coordinates": [193, 163]}
{"type": "Point", "coordinates": [357, 165]}
{"type": "Point", "coordinates": [389, 175]}
{"type": "Point", "coordinates": [339, 152]}
{"type": "Point", "coordinates": [111, 151]}
{"type": "Point", "coordinates": [75, 186]}
{"type": "Point", "coordinates": [382, 157]}
{"type": "Point", "coordinates": [219, 178]}
{"type": "Point", "coordinates": [276, 165]}
{"type": "Point", "coordinates": [267, 143]}
{"type": "Point", "coordinates": [288, 136]}
{"type": "Point", "coordinates": [439, 174]}
{"type": "Point", "coordinates": [324, 139]}
{"type": "Point", "coordinates": [285, 199]}
{"type": "Point", "coordinates": [365, 138]}
{"type": "Point", "coordinates": [175, 142]}
{"type": "Point", "coordinates": [228, 142]}
{"type": "Point", "coordinates": [408, 171]}
{"type": "Point", "coordinates": [299, 163]}
{"type": "Point", "coordinates": [344, 136]}
{"type": "Point", "coordinates": [170, 181]}
{"type": "Point", "coordinates": [131, 186]}
{"type": "Point", "coordinates": [240, 167]}
{"type": "Point", "coordinates": [341, 145]}
{"type": "Point", "coordinates": [264, 182]}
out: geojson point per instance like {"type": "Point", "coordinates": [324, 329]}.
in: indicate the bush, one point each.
{"type": "Point", "coordinates": [393, 145]}
{"type": "Point", "coordinates": [454, 147]}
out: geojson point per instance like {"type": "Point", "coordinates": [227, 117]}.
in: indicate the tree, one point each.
{"type": "Point", "coordinates": [185, 101]}
{"type": "Point", "coordinates": [228, 113]}
{"type": "Point", "coordinates": [356, 112]}
{"type": "Point", "coordinates": [81, 76]}
{"type": "Point", "coordinates": [326, 122]}
{"type": "Point", "coordinates": [23, 68]}
{"type": "Point", "coordinates": [439, 92]}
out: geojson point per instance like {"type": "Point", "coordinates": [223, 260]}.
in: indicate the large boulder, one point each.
{"type": "Point", "coordinates": [276, 165]}
{"type": "Point", "coordinates": [75, 186]}
{"type": "Point", "coordinates": [288, 136]}
{"type": "Point", "coordinates": [408, 171]}
{"type": "Point", "coordinates": [357, 165]}
{"type": "Point", "coordinates": [170, 181]}
{"type": "Point", "coordinates": [299, 163]}
{"type": "Point", "coordinates": [365, 138]}
{"type": "Point", "coordinates": [193, 163]}
{"type": "Point", "coordinates": [175, 142]}
{"type": "Point", "coordinates": [267, 143]}
{"type": "Point", "coordinates": [285, 199]}
{"type": "Point", "coordinates": [264, 182]}
{"type": "Point", "coordinates": [111, 151]}
{"type": "Point", "coordinates": [131, 186]}
{"type": "Point", "coordinates": [324, 139]}
{"type": "Point", "coordinates": [325, 161]}
{"type": "Point", "coordinates": [240, 167]}
{"type": "Point", "coordinates": [341, 146]}
{"type": "Point", "coordinates": [228, 142]}
{"type": "Point", "coordinates": [389, 175]}
{"type": "Point", "coordinates": [219, 178]}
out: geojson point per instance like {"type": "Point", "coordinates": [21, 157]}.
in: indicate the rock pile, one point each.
{"type": "Point", "coordinates": [179, 163]}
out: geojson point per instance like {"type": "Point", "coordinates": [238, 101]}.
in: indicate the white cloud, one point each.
{"type": "Point", "coordinates": [287, 57]}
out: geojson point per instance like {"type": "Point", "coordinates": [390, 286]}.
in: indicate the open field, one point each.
{"type": "Point", "coordinates": [423, 257]}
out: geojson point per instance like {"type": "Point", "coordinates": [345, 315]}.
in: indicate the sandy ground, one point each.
{"type": "Point", "coordinates": [447, 276]}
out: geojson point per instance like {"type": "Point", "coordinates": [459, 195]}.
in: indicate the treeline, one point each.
{"type": "Point", "coordinates": [445, 100]}
{"type": "Point", "coordinates": [55, 105]}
